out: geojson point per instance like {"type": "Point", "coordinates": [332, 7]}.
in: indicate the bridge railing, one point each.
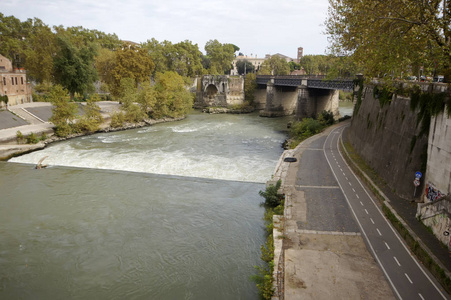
{"type": "Point", "coordinates": [313, 81]}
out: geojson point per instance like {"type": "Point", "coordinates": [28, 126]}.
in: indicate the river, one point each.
{"type": "Point", "coordinates": [169, 211]}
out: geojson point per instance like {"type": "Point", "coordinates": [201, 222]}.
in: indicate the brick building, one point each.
{"type": "Point", "coordinates": [13, 83]}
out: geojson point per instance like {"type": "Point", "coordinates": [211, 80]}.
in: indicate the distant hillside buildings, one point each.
{"type": "Point", "coordinates": [13, 83]}
{"type": "Point", "coordinates": [257, 62]}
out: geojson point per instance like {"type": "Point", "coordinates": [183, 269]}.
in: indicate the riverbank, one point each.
{"type": "Point", "coordinates": [36, 114]}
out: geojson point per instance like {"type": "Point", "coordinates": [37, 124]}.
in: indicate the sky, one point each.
{"type": "Point", "coordinates": [258, 27]}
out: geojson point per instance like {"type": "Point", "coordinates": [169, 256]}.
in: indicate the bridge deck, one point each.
{"type": "Point", "coordinates": [313, 81]}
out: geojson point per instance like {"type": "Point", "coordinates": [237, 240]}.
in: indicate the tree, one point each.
{"type": "Point", "coordinates": [250, 84]}
{"type": "Point", "coordinates": [390, 37]}
{"type": "Point", "coordinates": [13, 37]}
{"type": "Point", "coordinates": [244, 66]}
{"type": "Point", "coordinates": [220, 55]}
{"type": "Point", "coordinates": [105, 63]}
{"type": "Point", "coordinates": [64, 112]}
{"type": "Point", "coordinates": [74, 68]}
{"type": "Point", "coordinates": [172, 98]}
{"type": "Point", "coordinates": [40, 51]}
{"type": "Point", "coordinates": [274, 65]}
{"type": "Point", "coordinates": [131, 62]}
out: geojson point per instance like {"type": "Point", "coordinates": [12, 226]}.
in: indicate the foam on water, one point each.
{"type": "Point", "coordinates": [227, 148]}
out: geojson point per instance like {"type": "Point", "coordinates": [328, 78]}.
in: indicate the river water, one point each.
{"type": "Point", "coordinates": [169, 211]}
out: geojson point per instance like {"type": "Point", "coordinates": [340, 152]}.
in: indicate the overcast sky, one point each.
{"type": "Point", "coordinates": [258, 27]}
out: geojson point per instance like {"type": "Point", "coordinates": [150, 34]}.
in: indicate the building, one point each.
{"type": "Point", "coordinates": [13, 83]}
{"type": "Point", "coordinates": [258, 61]}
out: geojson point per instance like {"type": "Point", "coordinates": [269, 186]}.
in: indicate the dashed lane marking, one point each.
{"type": "Point", "coordinates": [372, 221]}
{"type": "Point", "coordinates": [379, 231]}
{"type": "Point", "coordinates": [408, 278]}
{"type": "Point", "coordinates": [397, 261]}
{"type": "Point", "coordinates": [388, 247]}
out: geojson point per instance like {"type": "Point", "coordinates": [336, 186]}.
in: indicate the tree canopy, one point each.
{"type": "Point", "coordinates": [220, 56]}
{"type": "Point", "coordinates": [392, 37]}
{"type": "Point", "coordinates": [244, 66]}
{"type": "Point", "coordinates": [275, 65]}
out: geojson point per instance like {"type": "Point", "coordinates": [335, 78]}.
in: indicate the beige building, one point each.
{"type": "Point", "coordinates": [258, 61]}
{"type": "Point", "coordinates": [13, 83]}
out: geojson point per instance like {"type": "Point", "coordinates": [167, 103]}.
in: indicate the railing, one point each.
{"type": "Point", "coordinates": [313, 81]}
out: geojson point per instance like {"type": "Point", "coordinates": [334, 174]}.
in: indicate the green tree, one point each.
{"type": "Point", "coordinates": [275, 65]}
{"type": "Point", "coordinates": [244, 66]}
{"type": "Point", "coordinates": [91, 119]}
{"type": "Point", "coordinates": [74, 68]}
{"type": "Point", "coordinates": [40, 51]}
{"type": "Point", "coordinates": [13, 38]}
{"type": "Point", "coordinates": [390, 37]}
{"type": "Point", "coordinates": [131, 62]}
{"type": "Point", "coordinates": [172, 98]}
{"type": "Point", "coordinates": [105, 63]}
{"type": "Point", "coordinates": [64, 113]}
{"type": "Point", "coordinates": [220, 55]}
{"type": "Point", "coordinates": [250, 84]}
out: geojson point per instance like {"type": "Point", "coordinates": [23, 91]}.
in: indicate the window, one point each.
{"type": "Point", "coordinates": [21, 80]}
{"type": "Point", "coordinates": [12, 80]}
{"type": "Point", "coordinates": [16, 80]}
{"type": "Point", "coordinates": [4, 81]}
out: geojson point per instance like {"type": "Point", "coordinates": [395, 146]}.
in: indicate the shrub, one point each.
{"type": "Point", "coordinates": [32, 138]}
{"type": "Point", "coordinates": [20, 137]}
{"type": "Point", "coordinates": [117, 119]}
{"type": "Point", "coordinates": [271, 195]}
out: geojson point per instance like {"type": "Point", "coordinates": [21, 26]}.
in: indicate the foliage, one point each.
{"type": "Point", "coordinates": [250, 84]}
{"type": "Point", "coordinates": [117, 119]}
{"type": "Point", "coordinates": [131, 62]}
{"type": "Point", "coordinates": [275, 65]}
{"type": "Point", "coordinates": [64, 112]}
{"type": "Point", "coordinates": [308, 127]}
{"type": "Point", "coordinates": [74, 67]}
{"type": "Point", "coordinates": [220, 56]}
{"type": "Point", "coordinates": [428, 104]}
{"type": "Point", "coordinates": [326, 118]}
{"type": "Point", "coordinates": [244, 66]}
{"type": "Point", "coordinates": [20, 137]}
{"type": "Point", "coordinates": [40, 51]}
{"type": "Point", "coordinates": [32, 138]}
{"type": "Point", "coordinates": [105, 63]}
{"type": "Point", "coordinates": [91, 120]}
{"type": "Point", "coordinates": [184, 58]}
{"type": "Point", "coordinates": [4, 99]}
{"type": "Point", "coordinates": [271, 195]}
{"type": "Point", "coordinates": [172, 99]}
{"type": "Point", "coordinates": [392, 37]}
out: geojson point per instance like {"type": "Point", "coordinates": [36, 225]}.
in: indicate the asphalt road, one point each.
{"type": "Point", "coordinates": [406, 276]}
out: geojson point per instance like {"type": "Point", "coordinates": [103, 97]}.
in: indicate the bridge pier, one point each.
{"type": "Point", "coordinates": [311, 102]}
{"type": "Point", "coordinates": [300, 100]}
{"type": "Point", "coordinates": [280, 100]}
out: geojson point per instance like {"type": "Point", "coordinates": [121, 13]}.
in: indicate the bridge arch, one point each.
{"type": "Point", "coordinates": [211, 91]}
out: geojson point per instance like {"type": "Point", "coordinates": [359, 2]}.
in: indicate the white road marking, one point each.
{"type": "Point", "coordinates": [396, 260]}
{"type": "Point", "coordinates": [361, 203]}
{"type": "Point", "coordinates": [408, 278]}
{"type": "Point", "coordinates": [357, 195]}
{"type": "Point", "coordinates": [372, 221]}
{"type": "Point", "coordinates": [366, 211]}
{"type": "Point", "coordinates": [421, 296]}
{"type": "Point", "coordinates": [388, 247]}
{"type": "Point", "coordinates": [379, 231]}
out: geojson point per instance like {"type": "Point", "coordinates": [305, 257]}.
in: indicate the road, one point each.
{"type": "Point", "coordinates": [406, 276]}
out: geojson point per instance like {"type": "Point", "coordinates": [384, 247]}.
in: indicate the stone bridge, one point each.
{"type": "Point", "coordinates": [305, 96]}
